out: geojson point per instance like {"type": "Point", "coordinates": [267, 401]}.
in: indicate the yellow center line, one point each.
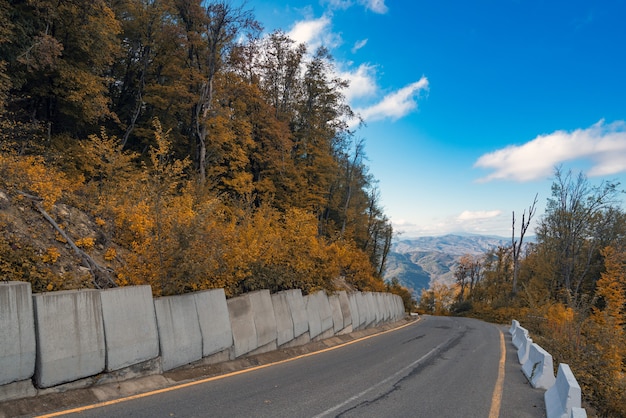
{"type": "Point", "coordinates": [496, 399]}
{"type": "Point", "coordinates": [210, 379]}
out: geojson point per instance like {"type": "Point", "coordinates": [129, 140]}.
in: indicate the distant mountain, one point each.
{"type": "Point", "coordinates": [419, 262]}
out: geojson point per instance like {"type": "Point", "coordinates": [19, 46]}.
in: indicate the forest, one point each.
{"type": "Point", "coordinates": [204, 154]}
{"type": "Point", "coordinates": [567, 285]}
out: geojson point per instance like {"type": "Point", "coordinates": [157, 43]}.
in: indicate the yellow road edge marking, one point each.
{"type": "Point", "coordinates": [496, 399]}
{"type": "Point", "coordinates": [213, 378]}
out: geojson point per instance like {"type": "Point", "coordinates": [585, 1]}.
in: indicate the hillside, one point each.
{"type": "Point", "coordinates": [419, 262]}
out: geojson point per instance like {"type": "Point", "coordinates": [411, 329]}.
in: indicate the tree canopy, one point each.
{"type": "Point", "coordinates": [209, 156]}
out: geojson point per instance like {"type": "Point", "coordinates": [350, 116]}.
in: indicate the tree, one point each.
{"type": "Point", "coordinates": [517, 246]}
{"type": "Point", "coordinates": [606, 332]}
{"type": "Point", "coordinates": [566, 233]}
{"type": "Point", "coordinates": [219, 29]}
{"type": "Point", "coordinates": [59, 63]}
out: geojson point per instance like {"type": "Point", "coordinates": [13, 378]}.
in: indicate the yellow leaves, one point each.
{"type": "Point", "coordinates": [611, 287]}
{"type": "Point", "coordinates": [32, 175]}
{"type": "Point", "coordinates": [86, 243]}
{"type": "Point", "coordinates": [560, 315]}
{"type": "Point", "coordinates": [51, 255]}
{"type": "Point", "coordinates": [110, 254]}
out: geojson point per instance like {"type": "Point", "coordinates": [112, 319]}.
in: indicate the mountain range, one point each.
{"type": "Point", "coordinates": [417, 263]}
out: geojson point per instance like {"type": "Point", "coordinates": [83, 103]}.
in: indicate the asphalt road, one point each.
{"type": "Point", "coordinates": [436, 367]}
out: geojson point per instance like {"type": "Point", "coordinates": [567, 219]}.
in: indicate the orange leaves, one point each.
{"type": "Point", "coordinates": [51, 255]}
{"type": "Point", "coordinates": [31, 174]}
{"type": "Point", "coordinates": [611, 287]}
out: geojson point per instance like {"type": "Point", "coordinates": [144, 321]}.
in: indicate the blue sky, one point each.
{"type": "Point", "coordinates": [469, 105]}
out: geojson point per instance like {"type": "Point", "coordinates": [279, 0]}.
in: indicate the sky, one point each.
{"type": "Point", "coordinates": [469, 106]}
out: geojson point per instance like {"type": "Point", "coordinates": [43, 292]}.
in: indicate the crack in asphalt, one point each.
{"type": "Point", "coordinates": [414, 338]}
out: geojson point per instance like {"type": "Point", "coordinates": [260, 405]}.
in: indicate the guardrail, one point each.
{"type": "Point", "coordinates": [563, 395]}
{"type": "Point", "coordinates": [76, 338]}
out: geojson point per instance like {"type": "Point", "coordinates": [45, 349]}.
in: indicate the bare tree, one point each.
{"type": "Point", "coordinates": [517, 245]}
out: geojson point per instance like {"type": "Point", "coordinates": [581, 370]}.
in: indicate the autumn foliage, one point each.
{"type": "Point", "coordinates": [194, 159]}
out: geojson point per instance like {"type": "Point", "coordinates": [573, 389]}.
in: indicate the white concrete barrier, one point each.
{"type": "Point", "coordinates": [538, 369]}
{"type": "Point", "coordinates": [217, 335]}
{"type": "Point", "coordinates": [370, 309]}
{"type": "Point", "coordinates": [383, 306]}
{"type": "Point", "coordinates": [519, 336]}
{"type": "Point", "coordinates": [130, 328]}
{"type": "Point", "coordinates": [578, 413]}
{"type": "Point", "coordinates": [378, 309]}
{"type": "Point", "coordinates": [524, 350]}
{"type": "Point", "coordinates": [344, 304]}
{"type": "Point", "coordinates": [17, 328]}
{"type": "Point", "coordinates": [70, 336]}
{"type": "Point", "coordinates": [564, 395]}
{"type": "Point", "coordinates": [264, 319]}
{"type": "Point", "coordinates": [400, 307]}
{"type": "Point", "coordinates": [284, 318]}
{"type": "Point", "coordinates": [326, 312]}
{"type": "Point", "coordinates": [313, 315]}
{"type": "Point", "coordinates": [242, 324]}
{"type": "Point", "coordinates": [298, 312]}
{"type": "Point", "coordinates": [180, 337]}
{"type": "Point", "coordinates": [335, 307]}
{"type": "Point", "coordinates": [354, 311]}
{"type": "Point", "coordinates": [514, 325]}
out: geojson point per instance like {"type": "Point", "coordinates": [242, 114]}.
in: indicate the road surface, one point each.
{"type": "Point", "coordinates": [436, 367]}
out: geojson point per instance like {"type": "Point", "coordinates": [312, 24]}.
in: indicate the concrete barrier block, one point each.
{"type": "Point", "coordinates": [242, 324]}
{"type": "Point", "coordinates": [385, 306]}
{"type": "Point", "coordinates": [130, 328]}
{"type": "Point", "coordinates": [180, 337]}
{"type": "Point", "coordinates": [519, 336]}
{"type": "Point", "coordinates": [17, 328]}
{"type": "Point", "coordinates": [354, 311]}
{"type": "Point", "coordinates": [313, 314]}
{"type": "Point", "coordinates": [344, 303]}
{"type": "Point", "coordinates": [538, 369]}
{"type": "Point", "coordinates": [298, 312]}
{"type": "Point", "coordinates": [335, 307]}
{"type": "Point", "coordinates": [514, 325]}
{"type": "Point", "coordinates": [372, 309]}
{"type": "Point", "coordinates": [524, 350]}
{"type": "Point", "coordinates": [564, 395]}
{"type": "Point", "coordinates": [399, 308]}
{"type": "Point", "coordinates": [365, 313]}
{"type": "Point", "coordinates": [578, 413]}
{"type": "Point", "coordinates": [214, 321]}
{"type": "Point", "coordinates": [70, 336]}
{"type": "Point", "coordinates": [264, 319]}
{"type": "Point", "coordinates": [377, 307]}
{"type": "Point", "coordinates": [325, 311]}
{"type": "Point", "coordinates": [284, 318]}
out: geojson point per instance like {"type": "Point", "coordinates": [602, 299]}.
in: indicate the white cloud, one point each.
{"type": "Point", "coordinates": [358, 45]}
{"type": "Point", "coordinates": [339, 4]}
{"type": "Point", "coordinates": [492, 222]}
{"type": "Point", "coordinates": [315, 33]}
{"type": "Point", "coordinates": [362, 82]}
{"type": "Point", "coordinates": [376, 6]}
{"type": "Point", "coordinates": [397, 104]}
{"type": "Point", "coordinates": [601, 144]}
{"type": "Point", "coordinates": [482, 214]}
